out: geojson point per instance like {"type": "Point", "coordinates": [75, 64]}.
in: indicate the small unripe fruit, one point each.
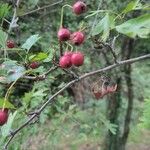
{"type": "Point", "coordinates": [79, 7]}
{"type": "Point", "coordinates": [65, 62]}
{"type": "Point", "coordinates": [34, 65]}
{"type": "Point", "coordinates": [10, 44]}
{"type": "Point", "coordinates": [77, 38]}
{"type": "Point", "coordinates": [68, 53]}
{"type": "Point", "coordinates": [77, 59]}
{"type": "Point", "coordinates": [3, 116]}
{"type": "Point", "coordinates": [63, 34]}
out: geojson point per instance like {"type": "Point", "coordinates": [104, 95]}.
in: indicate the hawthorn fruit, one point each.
{"type": "Point", "coordinates": [79, 7]}
{"type": "Point", "coordinates": [77, 59]}
{"type": "Point", "coordinates": [3, 116]}
{"type": "Point", "coordinates": [63, 34]}
{"type": "Point", "coordinates": [34, 65]}
{"type": "Point", "coordinates": [68, 53]}
{"type": "Point", "coordinates": [77, 38]}
{"type": "Point", "coordinates": [65, 62]}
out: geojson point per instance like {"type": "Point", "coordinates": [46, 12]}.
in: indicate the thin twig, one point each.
{"type": "Point", "coordinates": [41, 8]}
{"type": "Point", "coordinates": [112, 51]}
{"type": "Point", "coordinates": [42, 76]}
{"type": "Point", "coordinates": [14, 18]}
{"type": "Point", "coordinates": [51, 99]}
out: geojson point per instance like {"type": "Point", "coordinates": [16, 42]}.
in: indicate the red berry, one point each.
{"type": "Point", "coordinates": [77, 59]}
{"type": "Point", "coordinates": [79, 7]}
{"type": "Point", "coordinates": [34, 65]}
{"type": "Point", "coordinates": [63, 34]}
{"type": "Point", "coordinates": [68, 53]}
{"type": "Point", "coordinates": [3, 116]}
{"type": "Point", "coordinates": [10, 44]}
{"type": "Point", "coordinates": [65, 62]}
{"type": "Point", "coordinates": [77, 38]}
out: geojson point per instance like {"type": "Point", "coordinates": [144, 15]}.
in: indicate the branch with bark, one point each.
{"type": "Point", "coordinates": [52, 98]}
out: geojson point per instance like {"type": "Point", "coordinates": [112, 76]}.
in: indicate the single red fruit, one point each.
{"type": "Point", "coordinates": [63, 34]}
{"type": "Point", "coordinates": [65, 62]}
{"type": "Point", "coordinates": [10, 44]}
{"type": "Point", "coordinates": [79, 7]}
{"type": "Point", "coordinates": [34, 65]}
{"type": "Point", "coordinates": [77, 38]}
{"type": "Point", "coordinates": [3, 116]}
{"type": "Point", "coordinates": [68, 53]}
{"type": "Point", "coordinates": [77, 59]}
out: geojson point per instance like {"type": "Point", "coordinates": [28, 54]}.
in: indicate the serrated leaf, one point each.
{"type": "Point", "coordinates": [7, 104]}
{"type": "Point", "coordinates": [3, 39]}
{"type": "Point", "coordinates": [104, 26]}
{"type": "Point", "coordinates": [7, 65]}
{"type": "Point", "coordinates": [139, 26]}
{"type": "Point", "coordinates": [131, 6]}
{"type": "Point", "coordinates": [31, 57]}
{"type": "Point", "coordinates": [7, 127]}
{"type": "Point", "coordinates": [15, 73]}
{"type": "Point", "coordinates": [39, 57]}
{"type": "Point", "coordinates": [30, 42]}
{"type": "Point", "coordinates": [4, 9]}
{"type": "Point", "coordinates": [33, 3]}
{"type": "Point", "coordinates": [49, 58]}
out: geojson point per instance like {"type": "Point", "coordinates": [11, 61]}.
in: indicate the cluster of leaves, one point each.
{"type": "Point", "coordinates": [133, 27]}
{"type": "Point", "coordinates": [70, 124]}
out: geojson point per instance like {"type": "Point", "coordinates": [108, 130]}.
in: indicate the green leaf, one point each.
{"type": "Point", "coordinates": [7, 127]}
{"type": "Point", "coordinates": [49, 57]}
{"type": "Point", "coordinates": [30, 42]}
{"type": "Point", "coordinates": [14, 71]}
{"type": "Point", "coordinates": [39, 57]}
{"type": "Point", "coordinates": [7, 104]}
{"type": "Point", "coordinates": [104, 26]}
{"type": "Point", "coordinates": [132, 6]}
{"type": "Point", "coordinates": [27, 98]}
{"type": "Point", "coordinates": [3, 39]}
{"type": "Point", "coordinates": [139, 26]}
{"type": "Point", "coordinates": [146, 7]}
{"type": "Point", "coordinates": [9, 64]}
{"type": "Point", "coordinates": [4, 9]}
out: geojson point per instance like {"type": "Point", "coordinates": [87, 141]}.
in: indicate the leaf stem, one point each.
{"type": "Point", "coordinates": [62, 14]}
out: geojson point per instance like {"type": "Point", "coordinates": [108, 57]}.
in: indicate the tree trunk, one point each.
{"type": "Point", "coordinates": [118, 141]}
{"type": "Point", "coordinates": [129, 84]}
{"type": "Point", "coordinates": [113, 113]}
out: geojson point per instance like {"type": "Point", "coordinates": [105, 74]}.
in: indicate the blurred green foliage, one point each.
{"type": "Point", "coordinates": [66, 123]}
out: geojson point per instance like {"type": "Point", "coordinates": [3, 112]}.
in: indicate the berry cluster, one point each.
{"type": "Point", "coordinates": [76, 38]}
{"type": "Point", "coordinates": [71, 58]}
